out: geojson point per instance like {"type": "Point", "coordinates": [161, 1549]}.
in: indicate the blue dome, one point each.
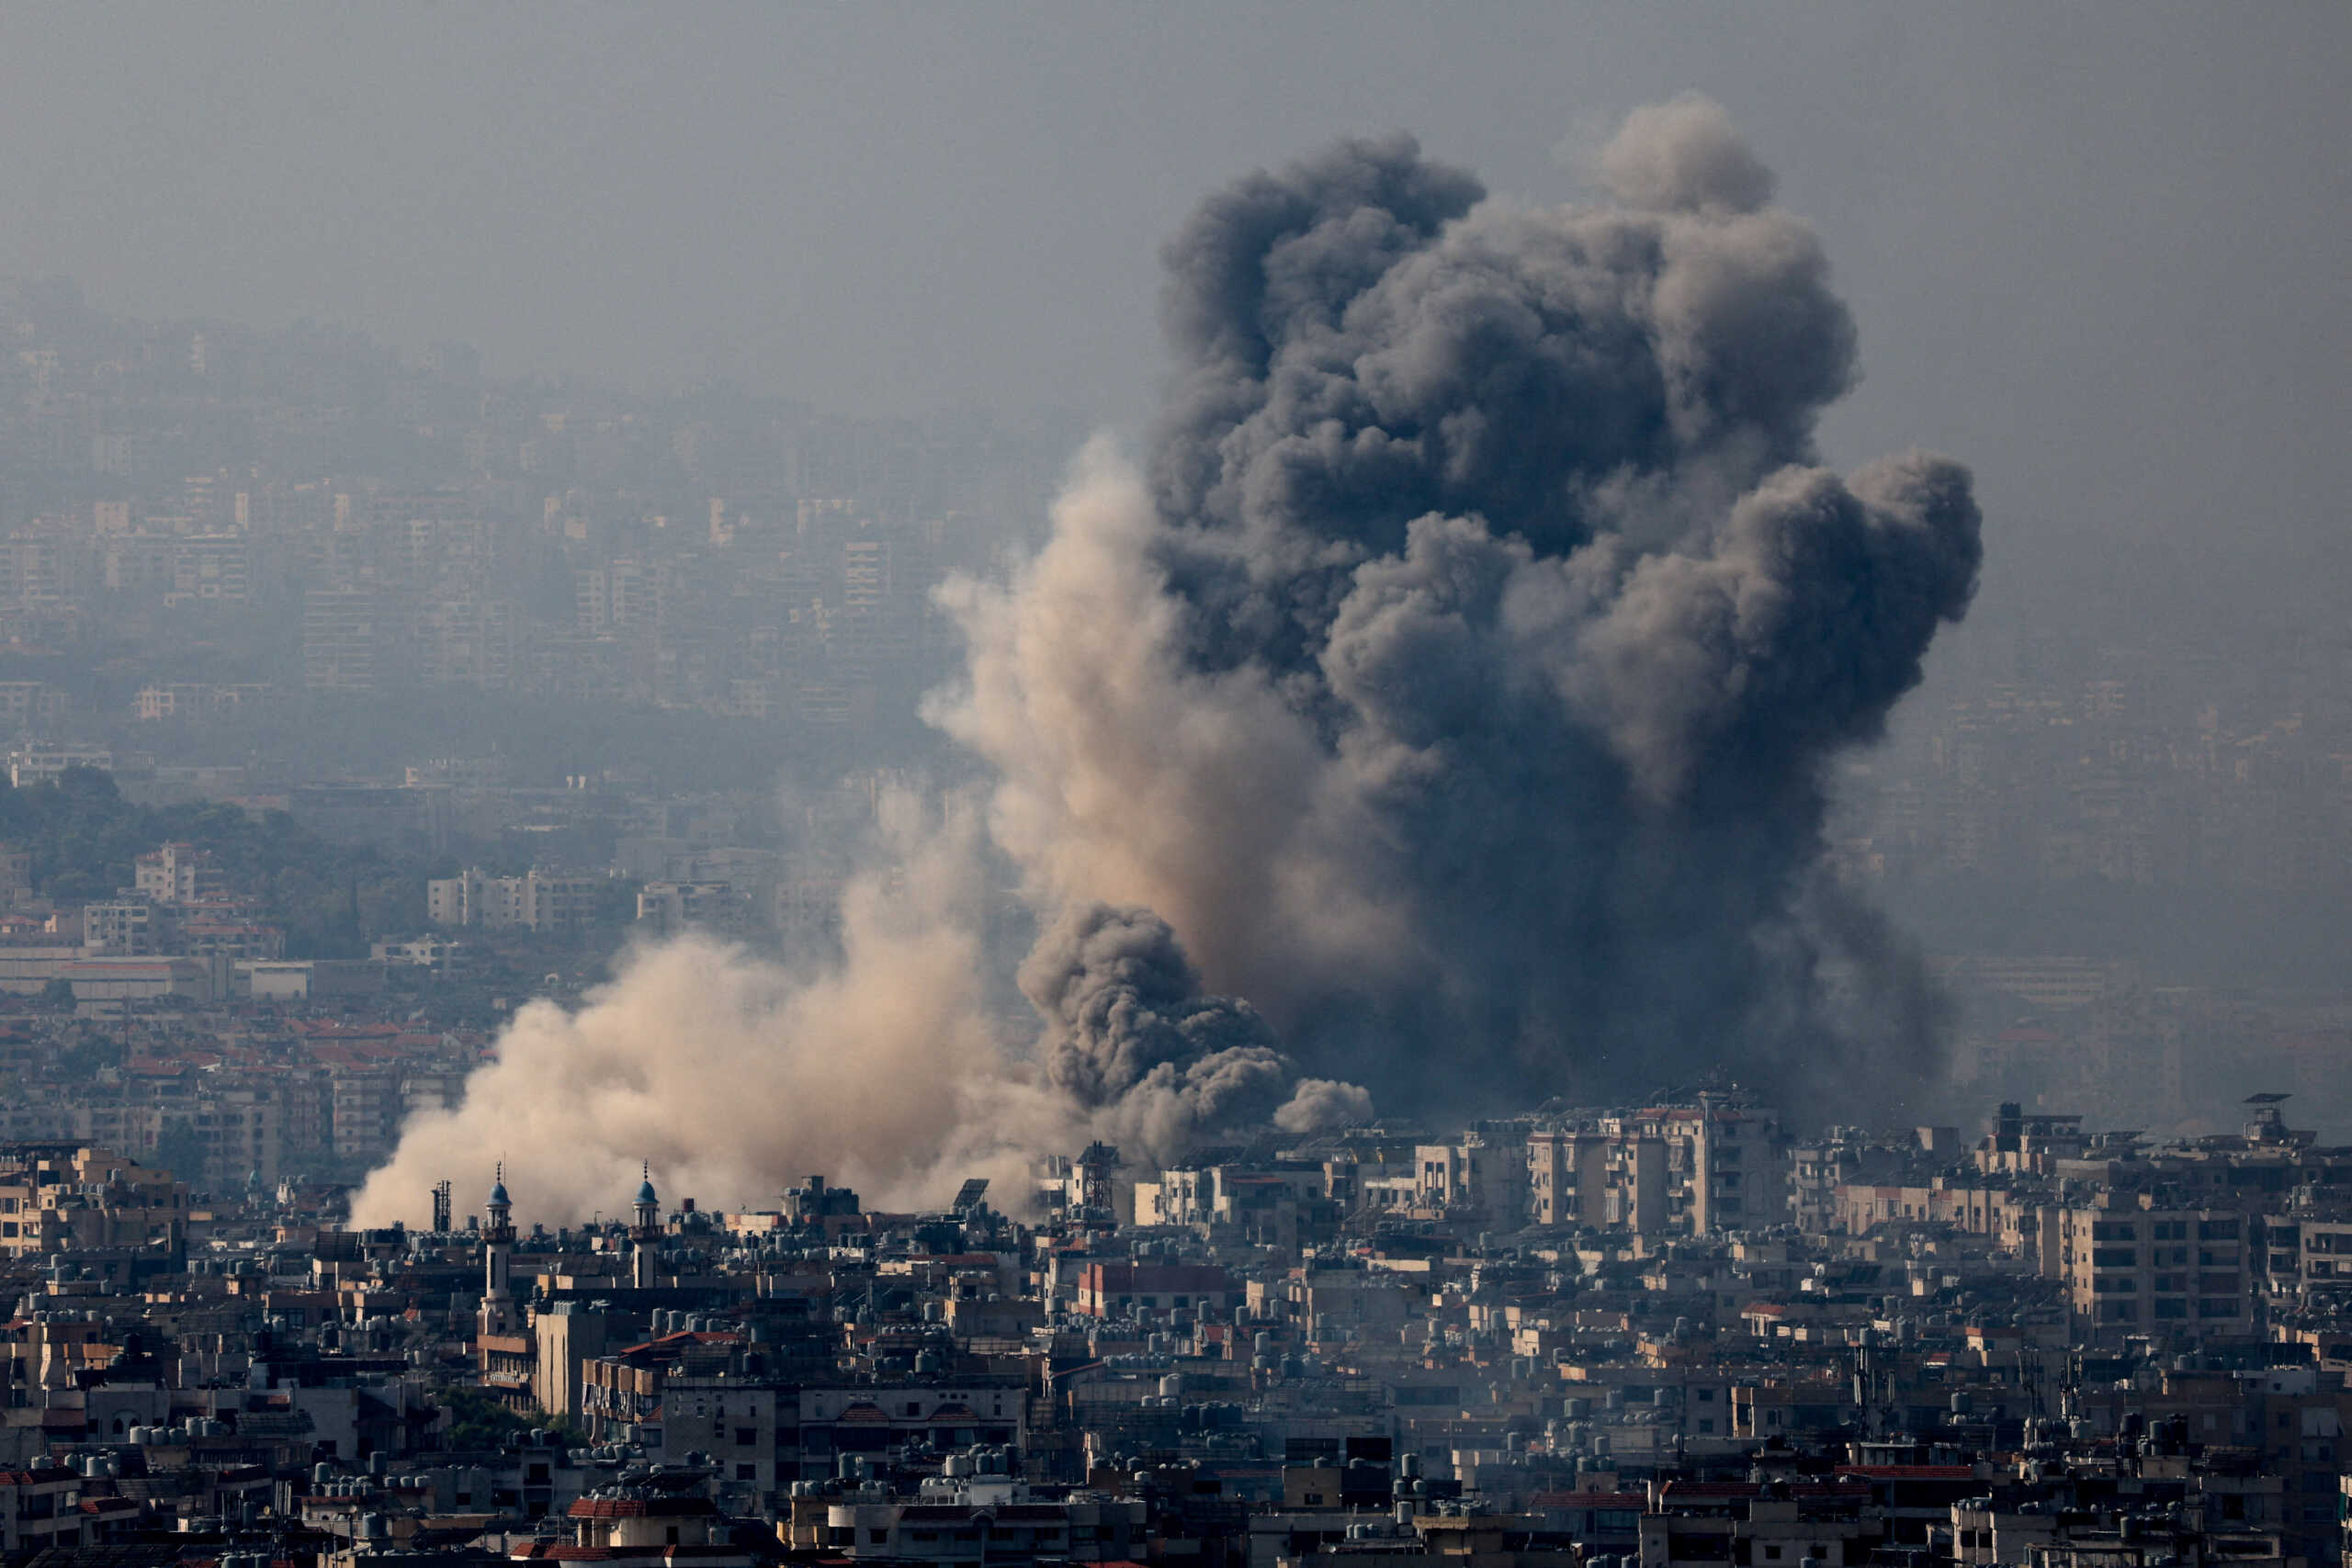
{"type": "Point", "coordinates": [498, 1193]}
{"type": "Point", "coordinates": [645, 1191]}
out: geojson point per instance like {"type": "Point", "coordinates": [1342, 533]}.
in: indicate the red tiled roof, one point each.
{"type": "Point", "coordinates": [639, 1507]}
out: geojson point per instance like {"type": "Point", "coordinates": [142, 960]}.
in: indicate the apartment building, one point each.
{"type": "Point", "coordinates": [1474, 1176]}
{"type": "Point", "coordinates": [178, 873]}
{"type": "Point", "coordinates": [1706, 1169]}
{"type": "Point", "coordinates": [131, 926]}
{"type": "Point", "coordinates": [2131, 1266]}
{"type": "Point", "coordinates": [542, 900]}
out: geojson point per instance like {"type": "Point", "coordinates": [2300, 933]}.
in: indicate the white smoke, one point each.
{"type": "Point", "coordinates": [1113, 755]}
{"type": "Point", "coordinates": [734, 1076]}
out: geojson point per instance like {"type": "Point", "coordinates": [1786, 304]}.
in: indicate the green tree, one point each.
{"type": "Point", "coordinates": [478, 1421]}
{"type": "Point", "coordinates": [179, 1149]}
{"type": "Point", "coordinates": [85, 839]}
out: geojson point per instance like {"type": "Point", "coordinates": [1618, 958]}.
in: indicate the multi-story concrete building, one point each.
{"type": "Point", "coordinates": [131, 926]}
{"type": "Point", "coordinates": [178, 873]}
{"type": "Point", "coordinates": [1703, 1169]}
{"type": "Point", "coordinates": [16, 875]}
{"type": "Point", "coordinates": [42, 761]}
{"type": "Point", "coordinates": [211, 569]}
{"type": "Point", "coordinates": [665, 908]}
{"type": "Point", "coordinates": [1738, 1168]}
{"type": "Point", "coordinates": [1567, 1178]}
{"type": "Point", "coordinates": [1482, 1180]}
{"type": "Point", "coordinates": [543, 900]}
{"type": "Point", "coordinates": [39, 1510]}
{"type": "Point", "coordinates": [558, 901]}
{"type": "Point", "coordinates": [53, 1196]}
{"type": "Point", "coordinates": [2133, 1265]}
{"type": "Point", "coordinates": [342, 645]}
{"type": "Point", "coordinates": [32, 706]}
{"type": "Point", "coordinates": [368, 1104]}
{"type": "Point", "coordinates": [1106, 1290]}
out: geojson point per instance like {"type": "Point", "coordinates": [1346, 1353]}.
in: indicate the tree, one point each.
{"type": "Point", "coordinates": [478, 1421]}
{"type": "Point", "coordinates": [179, 1149]}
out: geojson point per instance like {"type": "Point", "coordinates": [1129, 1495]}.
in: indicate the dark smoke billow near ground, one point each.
{"type": "Point", "coordinates": [1454, 682]}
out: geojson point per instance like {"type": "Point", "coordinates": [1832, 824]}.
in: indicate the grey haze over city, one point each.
{"type": "Point", "coordinates": [917, 586]}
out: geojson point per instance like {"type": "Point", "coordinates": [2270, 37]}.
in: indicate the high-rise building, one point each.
{"type": "Point", "coordinates": [340, 642]}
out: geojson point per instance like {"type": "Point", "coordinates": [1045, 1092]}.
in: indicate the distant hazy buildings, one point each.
{"type": "Point", "coordinates": [540, 900]}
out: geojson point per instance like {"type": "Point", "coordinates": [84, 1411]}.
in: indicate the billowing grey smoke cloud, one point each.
{"type": "Point", "coordinates": [1684, 156]}
{"type": "Point", "coordinates": [1323, 1104]}
{"type": "Point", "coordinates": [1131, 1036]}
{"type": "Point", "coordinates": [1457, 680]}
{"type": "Point", "coordinates": [1455, 686]}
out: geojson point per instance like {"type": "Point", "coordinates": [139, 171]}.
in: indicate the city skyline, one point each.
{"type": "Point", "coordinates": [888, 786]}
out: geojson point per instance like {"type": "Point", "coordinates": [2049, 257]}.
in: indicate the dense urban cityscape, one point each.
{"type": "Point", "coordinates": [1676, 1334]}
{"type": "Point", "coordinates": [696, 874]}
{"type": "Point", "coordinates": [1681, 1333]}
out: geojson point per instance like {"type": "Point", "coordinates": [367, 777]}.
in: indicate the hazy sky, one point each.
{"type": "Point", "coordinates": [2098, 249]}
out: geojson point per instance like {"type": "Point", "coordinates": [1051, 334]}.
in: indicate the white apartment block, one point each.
{"type": "Point", "coordinates": [540, 901]}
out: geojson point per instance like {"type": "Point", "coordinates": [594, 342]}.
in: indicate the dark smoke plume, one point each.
{"type": "Point", "coordinates": [1456, 684]}
{"type": "Point", "coordinates": [1458, 679]}
{"type": "Point", "coordinates": [1131, 1038]}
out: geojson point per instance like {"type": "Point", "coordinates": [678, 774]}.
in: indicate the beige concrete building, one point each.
{"type": "Point", "coordinates": [2132, 1267]}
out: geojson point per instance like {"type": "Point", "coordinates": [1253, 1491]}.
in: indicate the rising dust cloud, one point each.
{"type": "Point", "coordinates": [1454, 681]}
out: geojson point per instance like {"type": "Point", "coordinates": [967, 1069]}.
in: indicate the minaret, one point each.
{"type": "Point", "coordinates": [497, 1249]}
{"type": "Point", "coordinates": [645, 1235]}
